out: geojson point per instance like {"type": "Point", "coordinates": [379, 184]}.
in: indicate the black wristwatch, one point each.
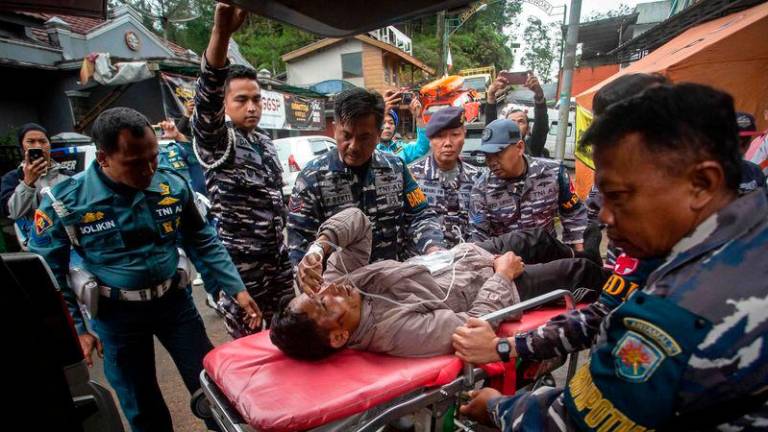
{"type": "Point", "coordinates": [503, 349]}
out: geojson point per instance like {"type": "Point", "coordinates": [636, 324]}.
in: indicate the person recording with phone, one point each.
{"type": "Point", "coordinates": [535, 137]}
{"type": "Point", "coordinates": [22, 187]}
{"type": "Point", "coordinates": [407, 151]}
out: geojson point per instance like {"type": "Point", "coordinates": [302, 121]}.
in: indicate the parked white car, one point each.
{"type": "Point", "coordinates": [295, 152]}
{"type": "Point", "coordinates": [78, 158]}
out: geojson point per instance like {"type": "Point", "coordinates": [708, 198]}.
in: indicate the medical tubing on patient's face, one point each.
{"type": "Point", "coordinates": [347, 279]}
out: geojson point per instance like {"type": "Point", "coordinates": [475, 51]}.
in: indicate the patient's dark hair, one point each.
{"type": "Point", "coordinates": [299, 337]}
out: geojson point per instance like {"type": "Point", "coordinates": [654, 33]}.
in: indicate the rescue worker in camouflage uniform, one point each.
{"type": "Point", "coordinates": [575, 330]}
{"type": "Point", "coordinates": [447, 182]}
{"type": "Point", "coordinates": [522, 192]}
{"type": "Point", "coordinates": [243, 174]}
{"type": "Point", "coordinates": [407, 151]}
{"type": "Point", "coordinates": [445, 179]}
{"type": "Point", "coordinates": [683, 353]}
{"type": "Point", "coordinates": [357, 175]}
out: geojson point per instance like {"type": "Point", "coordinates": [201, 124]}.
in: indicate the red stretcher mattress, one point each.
{"type": "Point", "coordinates": [275, 393]}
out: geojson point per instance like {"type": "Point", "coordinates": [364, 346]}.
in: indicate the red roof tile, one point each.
{"type": "Point", "coordinates": [81, 25]}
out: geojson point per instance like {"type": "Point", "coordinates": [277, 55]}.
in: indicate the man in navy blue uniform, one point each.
{"type": "Point", "coordinates": [125, 217]}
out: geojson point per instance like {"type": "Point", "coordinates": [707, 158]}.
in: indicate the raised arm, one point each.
{"type": "Point", "coordinates": [208, 124]}
{"type": "Point", "coordinates": [541, 125]}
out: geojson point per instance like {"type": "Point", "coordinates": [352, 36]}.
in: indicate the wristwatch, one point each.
{"type": "Point", "coordinates": [503, 349]}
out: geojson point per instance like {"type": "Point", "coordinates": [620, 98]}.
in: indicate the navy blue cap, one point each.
{"type": "Point", "coordinates": [498, 135]}
{"type": "Point", "coordinates": [747, 125]}
{"type": "Point", "coordinates": [447, 118]}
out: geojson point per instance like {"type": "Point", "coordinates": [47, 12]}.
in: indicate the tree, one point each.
{"type": "Point", "coordinates": [262, 42]}
{"type": "Point", "coordinates": [623, 9]}
{"type": "Point", "coordinates": [543, 47]}
{"type": "Point", "coordinates": [480, 41]}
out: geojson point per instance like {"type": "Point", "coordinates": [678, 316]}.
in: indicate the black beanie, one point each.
{"type": "Point", "coordinates": [30, 127]}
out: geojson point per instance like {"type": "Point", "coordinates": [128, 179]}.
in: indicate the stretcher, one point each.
{"type": "Point", "coordinates": [251, 386]}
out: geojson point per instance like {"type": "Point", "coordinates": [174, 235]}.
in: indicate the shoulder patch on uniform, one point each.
{"type": "Point", "coordinates": [636, 358]}
{"type": "Point", "coordinates": [42, 222]}
{"type": "Point", "coordinates": [625, 265]}
{"type": "Point", "coordinates": [295, 204]}
{"type": "Point", "coordinates": [662, 338]}
{"type": "Point", "coordinates": [165, 189]}
{"type": "Point", "coordinates": [416, 198]}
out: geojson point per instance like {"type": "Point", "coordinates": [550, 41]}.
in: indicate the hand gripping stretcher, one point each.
{"type": "Point", "coordinates": [252, 386]}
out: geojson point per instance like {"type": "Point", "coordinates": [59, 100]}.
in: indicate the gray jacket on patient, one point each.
{"type": "Point", "coordinates": [422, 325]}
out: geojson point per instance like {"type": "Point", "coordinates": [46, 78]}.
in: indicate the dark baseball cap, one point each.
{"type": "Point", "coordinates": [747, 125]}
{"type": "Point", "coordinates": [498, 135]}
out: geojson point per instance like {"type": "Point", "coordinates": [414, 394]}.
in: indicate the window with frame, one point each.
{"type": "Point", "coordinates": [352, 65]}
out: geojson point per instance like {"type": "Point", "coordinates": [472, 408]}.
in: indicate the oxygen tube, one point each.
{"type": "Point", "coordinates": [346, 279]}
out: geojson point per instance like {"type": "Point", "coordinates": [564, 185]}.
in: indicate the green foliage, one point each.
{"type": "Point", "coordinates": [622, 9]}
{"type": "Point", "coordinates": [543, 47]}
{"type": "Point", "coordinates": [480, 41]}
{"type": "Point", "coordinates": [263, 41]}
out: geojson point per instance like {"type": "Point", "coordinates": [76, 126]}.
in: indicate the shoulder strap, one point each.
{"type": "Point", "coordinates": [62, 212]}
{"type": "Point", "coordinates": [217, 162]}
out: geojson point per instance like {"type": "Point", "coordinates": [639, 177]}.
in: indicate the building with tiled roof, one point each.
{"type": "Point", "coordinates": [41, 55]}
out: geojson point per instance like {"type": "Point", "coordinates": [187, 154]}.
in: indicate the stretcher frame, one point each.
{"type": "Point", "coordinates": [437, 401]}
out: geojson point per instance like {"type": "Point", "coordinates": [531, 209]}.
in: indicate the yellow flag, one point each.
{"type": "Point", "coordinates": [583, 120]}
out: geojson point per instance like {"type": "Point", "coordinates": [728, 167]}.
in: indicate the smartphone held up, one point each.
{"type": "Point", "coordinates": [34, 154]}
{"type": "Point", "coordinates": [516, 78]}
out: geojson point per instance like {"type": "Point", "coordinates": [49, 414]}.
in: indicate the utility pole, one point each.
{"type": "Point", "coordinates": [569, 62]}
{"type": "Point", "coordinates": [443, 39]}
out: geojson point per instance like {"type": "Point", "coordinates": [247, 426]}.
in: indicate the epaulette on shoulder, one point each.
{"type": "Point", "coordinates": [390, 158]}
{"type": "Point", "coordinates": [168, 171]}
{"type": "Point", "coordinates": [319, 163]}
{"type": "Point", "coordinates": [419, 164]}
{"type": "Point", "coordinates": [546, 163]}
{"type": "Point", "coordinates": [262, 134]}
{"type": "Point", "coordinates": [67, 189]}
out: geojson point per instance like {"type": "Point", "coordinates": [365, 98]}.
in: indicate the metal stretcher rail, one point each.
{"type": "Point", "coordinates": [471, 374]}
{"type": "Point", "coordinates": [508, 311]}
{"type": "Point", "coordinates": [231, 421]}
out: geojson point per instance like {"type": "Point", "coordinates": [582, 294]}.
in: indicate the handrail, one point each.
{"type": "Point", "coordinates": [469, 376]}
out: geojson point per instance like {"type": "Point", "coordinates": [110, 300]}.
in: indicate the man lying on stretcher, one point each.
{"type": "Point", "coordinates": [406, 308]}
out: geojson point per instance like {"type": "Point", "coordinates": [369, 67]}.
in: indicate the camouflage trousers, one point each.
{"type": "Point", "coordinates": [269, 282]}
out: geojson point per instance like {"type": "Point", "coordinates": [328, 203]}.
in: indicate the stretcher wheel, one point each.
{"type": "Point", "coordinates": [200, 405]}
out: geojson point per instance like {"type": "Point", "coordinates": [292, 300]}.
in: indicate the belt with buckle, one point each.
{"type": "Point", "coordinates": [145, 294]}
